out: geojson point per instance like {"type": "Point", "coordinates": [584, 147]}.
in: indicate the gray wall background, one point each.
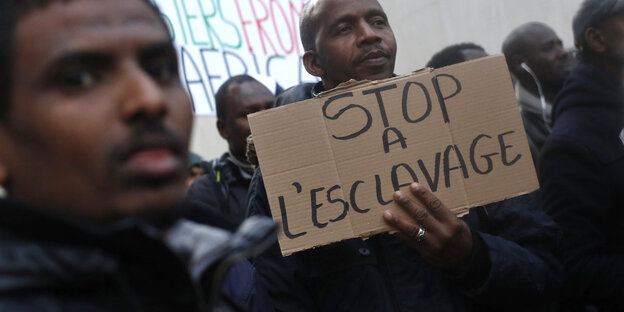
{"type": "Point", "coordinates": [423, 27]}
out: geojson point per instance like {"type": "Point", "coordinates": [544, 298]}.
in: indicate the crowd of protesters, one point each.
{"type": "Point", "coordinates": [104, 212]}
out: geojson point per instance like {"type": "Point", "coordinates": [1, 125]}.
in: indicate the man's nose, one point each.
{"type": "Point", "coordinates": [366, 33]}
{"type": "Point", "coordinates": [142, 95]}
{"type": "Point", "coordinates": [561, 52]}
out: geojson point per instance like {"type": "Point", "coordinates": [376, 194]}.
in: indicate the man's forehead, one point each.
{"type": "Point", "coordinates": [539, 34]}
{"type": "Point", "coordinates": [248, 89]}
{"type": "Point", "coordinates": [91, 15]}
{"type": "Point", "coordinates": [322, 9]}
{"type": "Point", "coordinates": [79, 24]}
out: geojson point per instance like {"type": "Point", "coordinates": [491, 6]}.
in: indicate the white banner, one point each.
{"type": "Point", "coordinates": [218, 39]}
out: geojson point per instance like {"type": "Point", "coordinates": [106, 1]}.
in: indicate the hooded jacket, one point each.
{"type": "Point", "coordinates": [582, 176]}
{"type": "Point", "coordinates": [221, 190]}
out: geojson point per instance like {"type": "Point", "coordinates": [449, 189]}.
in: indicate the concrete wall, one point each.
{"type": "Point", "coordinates": [206, 140]}
{"type": "Point", "coordinates": [423, 27]}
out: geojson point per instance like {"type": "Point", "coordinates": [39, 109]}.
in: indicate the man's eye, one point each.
{"type": "Point", "coordinates": [78, 79]}
{"type": "Point", "coordinates": [548, 47]}
{"type": "Point", "coordinates": [379, 22]}
{"type": "Point", "coordinates": [162, 71]}
{"type": "Point", "coordinates": [344, 29]}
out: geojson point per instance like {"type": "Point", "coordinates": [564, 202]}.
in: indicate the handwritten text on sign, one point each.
{"type": "Point", "coordinates": [331, 164]}
{"type": "Point", "coordinates": [218, 39]}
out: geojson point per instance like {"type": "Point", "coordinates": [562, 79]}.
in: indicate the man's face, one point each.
{"type": "Point", "coordinates": [353, 41]}
{"type": "Point", "coordinates": [99, 122]}
{"type": "Point", "coordinates": [242, 99]}
{"type": "Point", "coordinates": [546, 57]}
{"type": "Point", "coordinates": [614, 40]}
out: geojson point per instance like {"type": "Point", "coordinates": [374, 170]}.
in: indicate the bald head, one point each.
{"type": "Point", "coordinates": [525, 38]}
{"type": "Point", "coordinates": [538, 47]}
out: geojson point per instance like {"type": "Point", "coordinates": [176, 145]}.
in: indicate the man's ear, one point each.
{"type": "Point", "coordinates": [595, 39]}
{"type": "Point", "coordinates": [222, 129]}
{"type": "Point", "coordinates": [312, 64]}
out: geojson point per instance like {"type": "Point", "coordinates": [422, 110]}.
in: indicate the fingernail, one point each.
{"type": "Point", "coordinates": [399, 195]}
{"type": "Point", "coordinates": [388, 216]}
{"type": "Point", "coordinates": [416, 186]}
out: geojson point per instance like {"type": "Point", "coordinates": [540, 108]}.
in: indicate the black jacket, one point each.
{"type": "Point", "coordinates": [512, 268]}
{"type": "Point", "coordinates": [221, 190]}
{"type": "Point", "coordinates": [582, 176]}
{"type": "Point", "coordinates": [50, 262]}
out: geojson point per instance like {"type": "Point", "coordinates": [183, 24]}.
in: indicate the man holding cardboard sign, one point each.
{"type": "Point", "coordinates": [491, 258]}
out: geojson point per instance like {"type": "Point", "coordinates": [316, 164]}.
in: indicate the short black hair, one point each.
{"type": "Point", "coordinates": [11, 11]}
{"type": "Point", "coordinates": [452, 55]}
{"type": "Point", "coordinates": [222, 93]}
{"type": "Point", "coordinates": [308, 26]}
{"type": "Point", "coordinates": [593, 13]}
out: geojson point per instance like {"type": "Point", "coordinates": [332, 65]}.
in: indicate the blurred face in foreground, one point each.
{"type": "Point", "coordinates": [99, 122]}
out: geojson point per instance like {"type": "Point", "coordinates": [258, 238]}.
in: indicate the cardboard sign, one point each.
{"type": "Point", "coordinates": [332, 163]}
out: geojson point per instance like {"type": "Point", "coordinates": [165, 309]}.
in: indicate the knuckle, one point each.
{"type": "Point", "coordinates": [456, 225]}
{"type": "Point", "coordinates": [435, 244]}
{"type": "Point", "coordinates": [445, 236]}
{"type": "Point", "coordinates": [420, 214]}
{"type": "Point", "coordinates": [435, 204]}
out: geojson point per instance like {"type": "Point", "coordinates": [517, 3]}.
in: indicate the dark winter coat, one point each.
{"type": "Point", "coordinates": [222, 190]}
{"type": "Point", "coordinates": [582, 177]}
{"type": "Point", "coordinates": [50, 262]}
{"type": "Point", "coordinates": [512, 268]}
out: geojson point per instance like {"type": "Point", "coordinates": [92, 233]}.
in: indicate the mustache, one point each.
{"type": "Point", "coordinates": [372, 51]}
{"type": "Point", "coordinates": [147, 135]}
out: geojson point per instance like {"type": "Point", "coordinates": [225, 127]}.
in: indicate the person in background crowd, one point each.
{"type": "Point", "coordinates": [223, 186]}
{"type": "Point", "coordinates": [572, 57]}
{"type": "Point", "coordinates": [195, 168]}
{"type": "Point", "coordinates": [539, 63]}
{"type": "Point", "coordinates": [94, 133]}
{"type": "Point", "coordinates": [455, 54]}
{"type": "Point", "coordinates": [492, 259]}
{"type": "Point", "coordinates": [582, 164]}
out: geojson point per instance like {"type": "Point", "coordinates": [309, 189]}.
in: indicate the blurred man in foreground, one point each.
{"type": "Point", "coordinates": [94, 132]}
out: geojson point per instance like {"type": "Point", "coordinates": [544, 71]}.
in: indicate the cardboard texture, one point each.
{"type": "Point", "coordinates": [332, 163]}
